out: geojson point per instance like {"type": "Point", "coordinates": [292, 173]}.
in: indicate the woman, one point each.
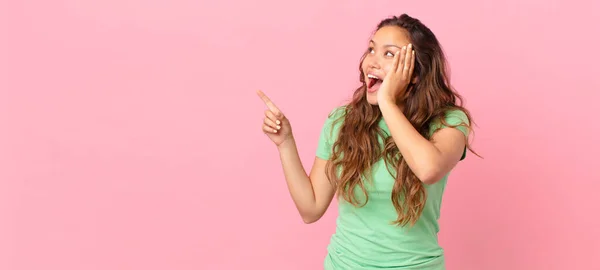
{"type": "Point", "coordinates": [387, 154]}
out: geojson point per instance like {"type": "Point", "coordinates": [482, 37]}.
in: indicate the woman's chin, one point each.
{"type": "Point", "coordinates": [372, 98]}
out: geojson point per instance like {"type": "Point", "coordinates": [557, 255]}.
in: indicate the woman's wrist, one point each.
{"type": "Point", "coordinates": [287, 143]}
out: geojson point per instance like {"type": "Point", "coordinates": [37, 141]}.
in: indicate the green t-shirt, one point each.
{"type": "Point", "coordinates": [364, 237]}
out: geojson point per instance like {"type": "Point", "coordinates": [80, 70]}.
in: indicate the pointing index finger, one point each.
{"type": "Point", "coordinates": [268, 102]}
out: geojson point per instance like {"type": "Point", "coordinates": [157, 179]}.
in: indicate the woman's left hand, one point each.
{"type": "Point", "coordinates": [399, 76]}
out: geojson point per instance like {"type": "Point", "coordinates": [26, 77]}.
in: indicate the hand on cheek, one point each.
{"type": "Point", "coordinates": [399, 75]}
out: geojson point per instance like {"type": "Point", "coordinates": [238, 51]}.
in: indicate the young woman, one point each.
{"type": "Point", "coordinates": [387, 154]}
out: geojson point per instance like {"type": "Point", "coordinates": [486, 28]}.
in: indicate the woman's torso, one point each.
{"type": "Point", "coordinates": [365, 237]}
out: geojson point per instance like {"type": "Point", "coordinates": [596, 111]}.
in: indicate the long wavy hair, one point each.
{"type": "Point", "coordinates": [358, 147]}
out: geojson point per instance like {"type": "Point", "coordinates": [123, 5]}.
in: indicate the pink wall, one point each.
{"type": "Point", "coordinates": [132, 136]}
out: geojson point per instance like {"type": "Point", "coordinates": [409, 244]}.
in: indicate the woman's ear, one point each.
{"type": "Point", "coordinates": [415, 79]}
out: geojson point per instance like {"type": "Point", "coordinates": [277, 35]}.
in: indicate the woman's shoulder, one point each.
{"type": "Point", "coordinates": [337, 112]}
{"type": "Point", "coordinates": [452, 117]}
{"type": "Point", "coordinates": [456, 115]}
{"type": "Point", "coordinates": [336, 115]}
{"type": "Point", "coordinates": [334, 120]}
{"type": "Point", "coordinates": [330, 131]}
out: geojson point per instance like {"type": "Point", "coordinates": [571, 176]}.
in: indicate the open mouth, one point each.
{"type": "Point", "coordinates": [373, 81]}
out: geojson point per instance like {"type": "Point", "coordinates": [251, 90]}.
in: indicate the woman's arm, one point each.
{"type": "Point", "coordinates": [311, 194]}
{"type": "Point", "coordinates": [429, 160]}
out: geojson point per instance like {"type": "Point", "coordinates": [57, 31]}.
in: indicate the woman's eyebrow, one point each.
{"type": "Point", "coordinates": [387, 45]}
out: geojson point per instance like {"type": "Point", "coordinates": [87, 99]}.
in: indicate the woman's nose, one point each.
{"type": "Point", "coordinates": [374, 64]}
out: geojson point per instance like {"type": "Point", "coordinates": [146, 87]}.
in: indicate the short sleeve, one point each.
{"type": "Point", "coordinates": [455, 119]}
{"type": "Point", "coordinates": [328, 134]}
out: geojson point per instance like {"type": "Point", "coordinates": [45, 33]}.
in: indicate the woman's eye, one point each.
{"type": "Point", "coordinates": [389, 54]}
{"type": "Point", "coordinates": [371, 50]}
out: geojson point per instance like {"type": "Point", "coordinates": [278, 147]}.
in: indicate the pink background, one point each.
{"type": "Point", "coordinates": [131, 131]}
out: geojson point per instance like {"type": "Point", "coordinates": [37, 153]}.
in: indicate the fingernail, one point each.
{"type": "Point", "coordinates": [278, 122]}
{"type": "Point", "coordinates": [278, 127]}
{"type": "Point", "coordinates": [275, 130]}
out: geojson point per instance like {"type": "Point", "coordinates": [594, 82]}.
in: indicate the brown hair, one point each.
{"type": "Point", "coordinates": [358, 147]}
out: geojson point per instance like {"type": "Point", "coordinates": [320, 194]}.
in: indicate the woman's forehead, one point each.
{"type": "Point", "coordinates": [390, 35]}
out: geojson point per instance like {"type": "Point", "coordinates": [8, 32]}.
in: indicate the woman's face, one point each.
{"type": "Point", "coordinates": [386, 42]}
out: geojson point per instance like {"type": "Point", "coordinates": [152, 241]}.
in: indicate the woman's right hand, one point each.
{"type": "Point", "coordinates": [275, 125]}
